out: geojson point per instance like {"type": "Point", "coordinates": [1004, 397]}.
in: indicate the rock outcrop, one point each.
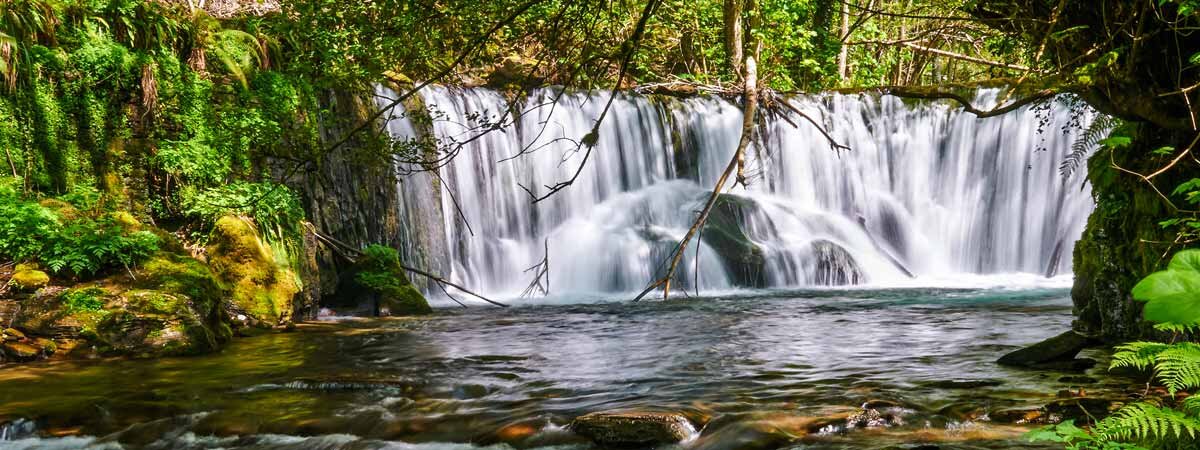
{"type": "Point", "coordinates": [261, 287]}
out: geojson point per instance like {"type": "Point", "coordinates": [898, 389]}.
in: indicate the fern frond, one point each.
{"type": "Point", "coordinates": [1147, 422]}
{"type": "Point", "coordinates": [1096, 131]}
{"type": "Point", "coordinates": [1138, 355]}
{"type": "Point", "coordinates": [1191, 405]}
{"type": "Point", "coordinates": [1178, 367]}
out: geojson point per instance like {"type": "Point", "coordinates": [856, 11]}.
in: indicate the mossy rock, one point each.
{"type": "Point", "coordinates": [378, 280]}
{"type": "Point", "coordinates": [172, 306]}
{"type": "Point", "coordinates": [29, 280]}
{"type": "Point", "coordinates": [260, 287]}
{"type": "Point", "coordinates": [158, 323]}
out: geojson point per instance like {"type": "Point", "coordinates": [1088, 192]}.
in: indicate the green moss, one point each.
{"type": "Point", "coordinates": [259, 285]}
{"type": "Point", "coordinates": [30, 279]}
{"type": "Point", "coordinates": [378, 271]}
{"type": "Point", "coordinates": [184, 275]}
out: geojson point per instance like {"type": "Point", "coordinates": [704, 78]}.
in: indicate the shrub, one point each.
{"type": "Point", "coordinates": [78, 245]}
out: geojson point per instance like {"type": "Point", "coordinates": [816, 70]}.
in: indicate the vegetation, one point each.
{"type": "Point", "coordinates": [1172, 298]}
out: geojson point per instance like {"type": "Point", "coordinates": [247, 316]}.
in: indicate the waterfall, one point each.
{"type": "Point", "coordinates": [926, 189]}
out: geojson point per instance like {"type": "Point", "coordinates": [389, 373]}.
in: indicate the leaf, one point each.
{"type": "Point", "coordinates": [1167, 283]}
{"type": "Point", "coordinates": [1186, 260]}
{"type": "Point", "coordinates": [1116, 141]}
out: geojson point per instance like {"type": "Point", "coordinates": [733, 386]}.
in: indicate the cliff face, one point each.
{"type": "Point", "coordinates": [357, 195]}
{"type": "Point", "coordinates": [1123, 241]}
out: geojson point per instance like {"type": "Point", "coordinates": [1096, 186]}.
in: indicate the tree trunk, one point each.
{"type": "Point", "coordinates": [842, 37]}
{"type": "Point", "coordinates": [733, 35]}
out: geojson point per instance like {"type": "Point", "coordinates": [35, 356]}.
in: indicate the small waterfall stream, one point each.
{"type": "Point", "coordinates": [926, 188]}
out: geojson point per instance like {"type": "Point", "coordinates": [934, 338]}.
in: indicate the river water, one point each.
{"type": "Point", "coordinates": [501, 378]}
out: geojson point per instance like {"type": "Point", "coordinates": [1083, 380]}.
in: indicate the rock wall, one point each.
{"type": "Point", "coordinates": [352, 196]}
{"type": "Point", "coordinates": [1123, 241]}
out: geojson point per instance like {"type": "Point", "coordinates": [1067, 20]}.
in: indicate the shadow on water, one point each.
{"type": "Point", "coordinates": [461, 375]}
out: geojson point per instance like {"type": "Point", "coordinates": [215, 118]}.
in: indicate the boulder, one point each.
{"type": "Point", "coordinates": [835, 266]}
{"type": "Point", "coordinates": [21, 351]}
{"type": "Point", "coordinates": [170, 307]}
{"type": "Point", "coordinates": [29, 280]}
{"type": "Point", "coordinates": [633, 428]}
{"type": "Point", "coordinates": [377, 279]}
{"type": "Point", "coordinates": [260, 287]}
{"type": "Point", "coordinates": [745, 260]}
{"type": "Point", "coordinates": [1054, 353]}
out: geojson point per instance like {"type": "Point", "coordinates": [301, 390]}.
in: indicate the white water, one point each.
{"type": "Point", "coordinates": [943, 193]}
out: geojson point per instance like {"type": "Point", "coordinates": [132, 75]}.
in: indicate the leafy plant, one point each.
{"type": "Point", "coordinates": [1172, 299]}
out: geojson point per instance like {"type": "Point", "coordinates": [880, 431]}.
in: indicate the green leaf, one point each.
{"type": "Point", "coordinates": [1166, 283]}
{"type": "Point", "coordinates": [1186, 260]}
{"type": "Point", "coordinates": [1116, 141]}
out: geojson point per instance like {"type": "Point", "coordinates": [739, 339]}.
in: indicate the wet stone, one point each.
{"type": "Point", "coordinates": [633, 428]}
{"type": "Point", "coordinates": [20, 351]}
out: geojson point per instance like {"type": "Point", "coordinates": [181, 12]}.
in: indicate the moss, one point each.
{"type": "Point", "coordinates": [181, 274]}
{"type": "Point", "coordinates": [379, 278]}
{"type": "Point", "coordinates": [259, 285]}
{"type": "Point", "coordinates": [65, 210]}
{"type": "Point", "coordinates": [30, 279]}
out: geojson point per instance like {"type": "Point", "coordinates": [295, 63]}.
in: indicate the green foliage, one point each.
{"type": "Point", "coordinates": [80, 245]}
{"type": "Point", "coordinates": [274, 208]}
{"type": "Point", "coordinates": [379, 268]}
{"type": "Point", "coordinates": [1172, 300]}
{"type": "Point", "coordinates": [1172, 296]}
{"type": "Point", "coordinates": [84, 300]}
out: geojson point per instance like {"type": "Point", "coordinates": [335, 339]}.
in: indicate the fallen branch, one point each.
{"type": "Point", "coordinates": [921, 93]}
{"type": "Point", "coordinates": [352, 254]}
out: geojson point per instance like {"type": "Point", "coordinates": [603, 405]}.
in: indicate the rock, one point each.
{"type": "Point", "coordinates": [872, 418]}
{"type": "Point", "coordinates": [1018, 415]}
{"type": "Point", "coordinates": [29, 280]}
{"type": "Point", "coordinates": [633, 428]}
{"type": "Point", "coordinates": [1058, 349]}
{"type": "Point", "coordinates": [1084, 408]}
{"type": "Point", "coordinates": [260, 287]}
{"type": "Point", "coordinates": [14, 333]}
{"type": "Point", "coordinates": [20, 351]}
{"type": "Point", "coordinates": [378, 279]}
{"type": "Point", "coordinates": [835, 266]}
{"type": "Point", "coordinates": [723, 232]}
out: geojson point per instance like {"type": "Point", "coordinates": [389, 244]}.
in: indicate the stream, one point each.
{"type": "Point", "coordinates": [504, 378]}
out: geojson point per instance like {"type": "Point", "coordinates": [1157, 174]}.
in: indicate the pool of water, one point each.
{"type": "Point", "coordinates": [500, 378]}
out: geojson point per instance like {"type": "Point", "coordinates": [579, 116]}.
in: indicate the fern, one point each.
{"type": "Point", "coordinates": [1147, 422]}
{"type": "Point", "coordinates": [1138, 355]}
{"type": "Point", "coordinates": [1096, 131]}
{"type": "Point", "coordinates": [1178, 367]}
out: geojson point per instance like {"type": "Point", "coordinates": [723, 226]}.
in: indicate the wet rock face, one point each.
{"type": "Point", "coordinates": [744, 259]}
{"type": "Point", "coordinates": [1057, 352]}
{"type": "Point", "coordinates": [633, 428]}
{"type": "Point", "coordinates": [835, 266]}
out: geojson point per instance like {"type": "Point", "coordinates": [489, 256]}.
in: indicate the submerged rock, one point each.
{"type": "Point", "coordinates": [632, 428]}
{"type": "Point", "coordinates": [1057, 352]}
{"type": "Point", "coordinates": [261, 288]}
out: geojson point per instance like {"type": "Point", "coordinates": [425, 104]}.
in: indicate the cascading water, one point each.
{"type": "Point", "coordinates": [925, 190]}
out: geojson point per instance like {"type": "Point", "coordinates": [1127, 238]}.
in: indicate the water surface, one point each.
{"type": "Point", "coordinates": [454, 379]}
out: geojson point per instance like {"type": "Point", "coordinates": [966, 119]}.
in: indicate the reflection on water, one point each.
{"type": "Point", "coordinates": [456, 378]}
